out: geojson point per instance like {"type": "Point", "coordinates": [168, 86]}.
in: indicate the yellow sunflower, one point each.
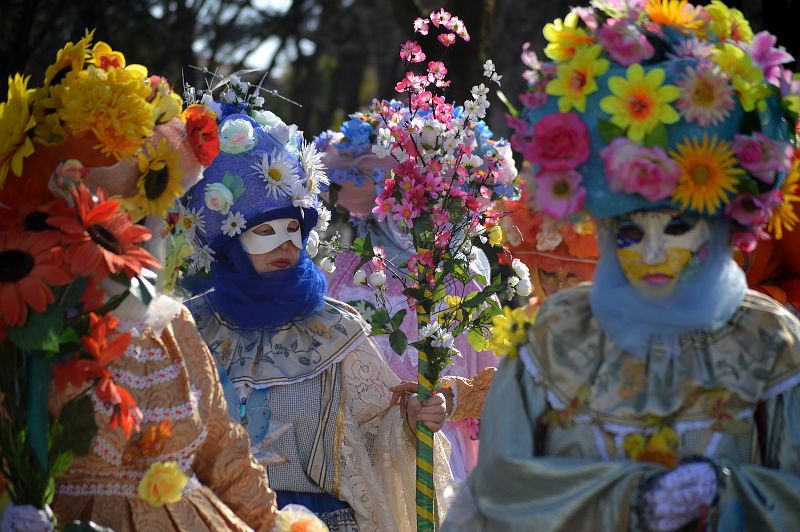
{"type": "Point", "coordinates": [784, 217]}
{"type": "Point", "coordinates": [728, 23]}
{"type": "Point", "coordinates": [159, 183]}
{"type": "Point", "coordinates": [71, 55]}
{"type": "Point", "coordinates": [639, 102]}
{"type": "Point", "coordinates": [15, 122]}
{"type": "Point", "coordinates": [112, 104]}
{"type": "Point", "coordinates": [678, 14]}
{"type": "Point", "coordinates": [576, 80]}
{"type": "Point", "coordinates": [708, 174]}
{"type": "Point", "coordinates": [565, 38]}
{"type": "Point", "coordinates": [746, 77]}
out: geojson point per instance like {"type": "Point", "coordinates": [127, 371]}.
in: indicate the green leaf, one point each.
{"type": "Point", "coordinates": [747, 184]}
{"type": "Point", "coordinates": [509, 106]}
{"type": "Point", "coordinates": [61, 464]}
{"type": "Point", "coordinates": [476, 340]}
{"type": "Point", "coordinates": [379, 321]}
{"type": "Point", "coordinates": [398, 341]}
{"type": "Point", "coordinates": [608, 131]}
{"type": "Point", "coordinates": [657, 137]}
{"type": "Point", "coordinates": [234, 184]}
{"type": "Point", "coordinates": [71, 294]}
{"type": "Point", "coordinates": [78, 416]}
{"type": "Point", "coordinates": [41, 332]}
{"type": "Point", "coordinates": [750, 123]}
{"type": "Point", "coordinates": [143, 289]}
{"type": "Point", "coordinates": [398, 318]}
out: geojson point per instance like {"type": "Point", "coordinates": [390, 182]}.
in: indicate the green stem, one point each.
{"type": "Point", "coordinates": [36, 417]}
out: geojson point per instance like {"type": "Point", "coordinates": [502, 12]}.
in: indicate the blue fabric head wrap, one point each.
{"type": "Point", "coordinates": [252, 300]}
{"type": "Point", "coordinates": [703, 300]}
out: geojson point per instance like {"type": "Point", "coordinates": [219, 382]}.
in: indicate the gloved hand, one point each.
{"type": "Point", "coordinates": [677, 498]}
{"type": "Point", "coordinates": [24, 517]}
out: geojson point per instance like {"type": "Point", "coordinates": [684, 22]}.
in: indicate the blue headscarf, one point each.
{"type": "Point", "coordinates": [252, 300]}
{"type": "Point", "coordinates": [703, 300]}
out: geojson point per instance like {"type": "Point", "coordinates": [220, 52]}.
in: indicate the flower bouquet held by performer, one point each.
{"type": "Point", "coordinates": [666, 393]}
{"type": "Point", "coordinates": [359, 174]}
{"type": "Point", "coordinates": [300, 372]}
{"type": "Point", "coordinates": [137, 389]}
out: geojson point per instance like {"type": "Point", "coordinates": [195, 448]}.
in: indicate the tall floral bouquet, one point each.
{"type": "Point", "coordinates": [62, 246]}
{"type": "Point", "coordinates": [662, 103]}
{"type": "Point", "coordinates": [440, 192]}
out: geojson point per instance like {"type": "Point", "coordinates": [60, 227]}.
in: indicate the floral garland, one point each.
{"type": "Point", "coordinates": [666, 71]}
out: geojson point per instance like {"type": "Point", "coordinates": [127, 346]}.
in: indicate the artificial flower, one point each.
{"type": "Point", "coordinates": [412, 52]}
{"type": "Point", "coordinates": [233, 224]}
{"type": "Point", "coordinates": [447, 39]}
{"type": "Point", "coordinates": [29, 267]}
{"type": "Point", "coordinates": [328, 264]}
{"type": "Point", "coordinates": [639, 102]}
{"type": "Point", "coordinates": [314, 168]}
{"type": "Point", "coordinates": [706, 95]}
{"type": "Point", "coordinates": [750, 210]}
{"type": "Point", "coordinates": [565, 38]}
{"type": "Point", "coordinates": [377, 279]}
{"type": "Point", "coordinates": [634, 169]}
{"type": "Point", "coordinates": [202, 257]}
{"type": "Point", "coordinates": [747, 241]}
{"type": "Point", "coordinates": [124, 412]}
{"type": "Point", "coordinates": [237, 136]}
{"type": "Point", "coordinates": [68, 173]}
{"type": "Point", "coordinates": [71, 56]}
{"type": "Point", "coordinates": [100, 239]}
{"type": "Point", "coordinates": [192, 221]}
{"type": "Point", "coordinates": [104, 57]}
{"type": "Point", "coordinates": [763, 157]}
{"type": "Point", "coordinates": [784, 217]}
{"type": "Point", "coordinates": [159, 183]}
{"type": "Point", "coordinates": [746, 77]}
{"type": "Point", "coordinates": [694, 48]}
{"type": "Point", "coordinates": [495, 236]}
{"type": "Point", "coordinates": [112, 104]}
{"type": "Point", "coordinates": [768, 57]}
{"type": "Point", "coordinates": [265, 118]}
{"type": "Point", "coordinates": [293, 518]}
{"type": "Point", "coordinates": [678, 14]}
{"type": "Point", "coordinates": [575, 80]}
{"type": "Point", "coordinates": [508, 330]}
{"type": "Point", "coordinates": [728, 23]}
{"type": "Point", "coordinates": [15, 122]}
{"type": "Point", "coordinates": [279, 173]}
{"type": "Point", "coordinates": [708, 174]}
{"type": "Point", "coordinates": [166, 103]}
{"type": "Point", "coordinates": [203, 133]}
{"type": "Point", "coordinates": [559, 193]}
{"type": "Point", "coordinates": [560, 142]}
{"type": "Point", "coordinates": [658, 448]}
{"type": "Point", "coordinates": [624, 42]}
{"type": "Point", "coordinates": [28, 207]}
{"type": "Point", "coordinates": [163, 483]}
{"type": "Point", "coordinates": [218, 198]}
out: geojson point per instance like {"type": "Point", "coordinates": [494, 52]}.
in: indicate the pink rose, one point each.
{"type": "Point", "coordinates": [762, 156]}
{"type": "Point", "coordinates": [747, 209]}
{"type": "Point", "coordinates": [560, 142]}
{"type": "Point", "coordinates": [745, 240]}
{"type": "Point", "coordinates": [634, 169]}
{"type": "Point", "coordinates": [559, 193]}
{"type": "Point", "coordinates": [624, 43]}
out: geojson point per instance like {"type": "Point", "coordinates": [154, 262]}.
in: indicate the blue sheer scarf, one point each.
{"type": "Point", "coordinates": [252, 300]}
{"type": "Point", "coordinates": [704, 300]}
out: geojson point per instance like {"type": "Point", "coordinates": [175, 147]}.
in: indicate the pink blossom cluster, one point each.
{"type": "Point", "coordinates": [443, 20]}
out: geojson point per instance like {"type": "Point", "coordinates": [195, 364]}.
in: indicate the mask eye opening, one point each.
{"type": "Point", "coordinates": [629, 233]}
{"type": "Point", "coordinates": [679, 226]}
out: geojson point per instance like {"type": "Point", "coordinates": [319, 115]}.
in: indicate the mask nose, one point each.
{"type": "Point", "coordinates": [654, 248]}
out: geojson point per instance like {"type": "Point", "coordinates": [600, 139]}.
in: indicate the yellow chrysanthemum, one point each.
{"type": "Point", "coordinates": [746, 77]}
{"type": "Point", "coordinates": [678, 14]}
{"type": "Point", "coordinates": [15, 122]}
{"type": "Point", "coordinates": [728, 23]}
{"type": "Point", "coordinates": [111, 104]}
{"type": "Point", "coordinates": [708, 174]}
{"type": "Point", "coordinates": [784, 217]}
{"type": "Point", "coordinates": [576, 80]}
{"type": "Point", "coordinates": [159, 183]}
{"type": "Point", "coordinates": [71, 55]}
{"type": "Point", "coordinates": [565, 38]}
{"type": "Point", "coordinates": [639, 102]}
{"type": "Point", "coordinates": [509, 329]}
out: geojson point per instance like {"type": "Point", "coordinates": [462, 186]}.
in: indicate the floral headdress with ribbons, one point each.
{"type": "Point", "coordinates": [661, 104]}
{"type": "Point", "coordinates": [265, 171]}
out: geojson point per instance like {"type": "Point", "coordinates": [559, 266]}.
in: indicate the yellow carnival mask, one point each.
{"type": "Point", "coordinates": [656, 248]}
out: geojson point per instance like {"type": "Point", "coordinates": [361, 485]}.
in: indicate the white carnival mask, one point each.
{"type": "Point", "coordinates": [656, 248]}
{"type": "Point", "coordinates": [268, 236]}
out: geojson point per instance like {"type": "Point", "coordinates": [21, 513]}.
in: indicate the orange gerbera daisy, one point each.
{"type": "Point", "coordinates": [125, 414]}
{"type": "Point", "coordinates": [201, 127]}
{"type": "Point", "coordinates": [28, 268]}
{"type": "Point", "coordinates": [679, 14]}
{"type": "Point", "coordinates": [28, 209]}
{"type": "Point", "coordinates": [101, 240]}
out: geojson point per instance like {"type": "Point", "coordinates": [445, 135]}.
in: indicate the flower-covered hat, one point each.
{"type": "Point", "coordinates": [264, 171]}
{"type": "Point", "coordinates": [354, 160]}
{"type": "Point", "coordinates": [660, 103]}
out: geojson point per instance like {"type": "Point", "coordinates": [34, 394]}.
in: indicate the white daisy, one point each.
{"type": "Point", "coordinates": [301, 197]}
{"type": "Point", "coordinates": [193, 221]}
{"type": "Point", "coordinates": [311, 160]}
{"type": "Point", "coordinates": [202, 257]}
{"type": "Point", "coordinates": [324, 218]}
{"type": "Point", "coordinates": [278, 172]}
{"type": "Point", "coordinates": [234, 224]}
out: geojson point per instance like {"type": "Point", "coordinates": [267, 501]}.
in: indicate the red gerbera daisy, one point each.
{"type": "Point", "coordinates": [29, 209]}
{"type": "Point", "coordinates": [101, 239]}
{"type": "Point", "coordinates": [29, 266]}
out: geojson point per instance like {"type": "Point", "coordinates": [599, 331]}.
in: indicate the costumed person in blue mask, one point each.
{"type": "Point", "coordinates": [665, 395]}
{"type": "Point", "coordinates": [299, 369]}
